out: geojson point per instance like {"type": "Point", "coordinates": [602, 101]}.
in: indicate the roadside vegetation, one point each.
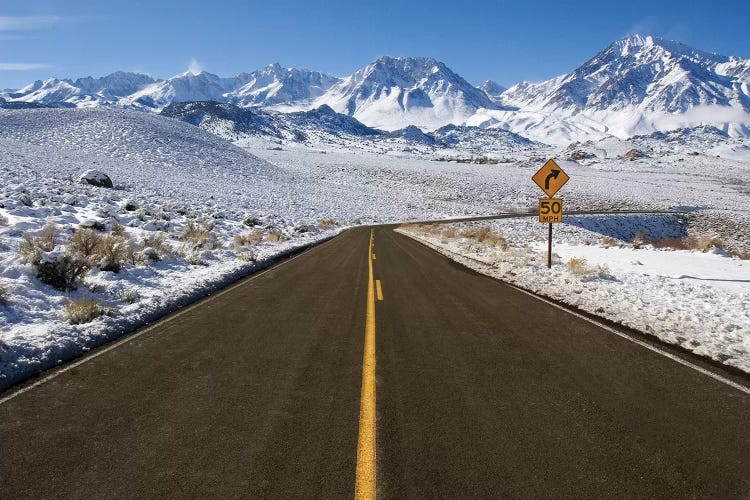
{"type": "Point", "coordinates": [64, 258]}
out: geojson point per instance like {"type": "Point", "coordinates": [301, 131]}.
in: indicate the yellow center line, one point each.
{"type": "Point", "coordinates": [365, 484]}
{"type": "Point", "coordinates": [379, 289]}
{"type": "Point", "coordinates": [374, 257]}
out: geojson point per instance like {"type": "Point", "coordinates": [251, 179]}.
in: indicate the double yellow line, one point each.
{"type": "Point", "coordinates": [366, 481]}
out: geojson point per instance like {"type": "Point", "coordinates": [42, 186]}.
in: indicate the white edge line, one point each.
{"type": "Point", "coordinates": [641, 343]}
{"type": "Point", "coordinates": [159, 323]}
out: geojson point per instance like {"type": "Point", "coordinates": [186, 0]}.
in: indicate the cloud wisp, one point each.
{"type": "Point", "coordinates": [22, 66]}
{"type": "Point", "coordinates": [10, 25]}
{"type": "Point", "coordinates": [28, 23]}
{"type": "Point", "coordinates": [194, 66]}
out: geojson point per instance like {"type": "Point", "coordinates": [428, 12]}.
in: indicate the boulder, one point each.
{"type": "Point", "coordinates": [95, 178]}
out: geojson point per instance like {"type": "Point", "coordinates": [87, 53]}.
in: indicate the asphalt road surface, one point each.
{"type": "Point", "coordinates": [482, 392]}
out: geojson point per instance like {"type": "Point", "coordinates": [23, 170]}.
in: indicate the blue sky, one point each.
{"type": "Point", "coordinates": [504, 41]}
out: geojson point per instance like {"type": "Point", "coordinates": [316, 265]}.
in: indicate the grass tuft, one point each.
{"type": "Point", "coordinates": [83, 310]}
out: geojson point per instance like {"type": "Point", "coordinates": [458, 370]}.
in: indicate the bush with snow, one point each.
{"type": "Point", "coordinates": [61, 271]}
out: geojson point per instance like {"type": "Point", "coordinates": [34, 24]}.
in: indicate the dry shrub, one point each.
{"type": "Point", "coordinates": [609, 242]}
{"type": "Point", "coordinates": [85, 243]}
{"type": "Point", "coordinates": [485, 235]}
{"type": "Point", "coordinates": [251, 221]}
{"type": "Point", "coordinates": [63, 273]}
{"type": "Point", "coordinates": [248, 257]}
{"type": "Point", "coordinates": [640, 239]}
{"type": "Point", "coordinates": [739, 255]}
{"type": "Point", "coordinates": [248, 239]}
{"type": "Point", "coordinates": [671, 243]}
{"type": "Point", "coordinates": [30, 249]}
{"type": "Point", "coordinates": [83, 310]}
{"type": "Point", "coordinates": [449, 232]}
{"type": "Point", "coordinates": [274, 235]}
{"type": "Point", "coordinates": [129, 295]}
{"type": "Point", "coordinates": [199, 236]}
{"type": "Point", "coordinates": [46, 240]}
{"type": "Point", "coordinates": [578, 266]}
{"type": "Point", "coordinates": [706, 243]}
{"type": "Point", "coordinates": [703, 244]}
{"type": "Point", "coordinates": [157, 241]}
{"type": "Point", "coordinates": [327, 223]}
{"type": "Point", "coordinates": [118, 229]}
{"type": "Point", "coordinates": [112, 252]}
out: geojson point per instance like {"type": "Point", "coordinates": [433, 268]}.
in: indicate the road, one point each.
{"type": "Point", "coordinates": [478, 390]}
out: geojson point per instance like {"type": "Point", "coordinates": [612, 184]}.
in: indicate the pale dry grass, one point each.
{"type": "Point", "coordinates": [609, 242]}
{"type": "Point", "coordinates": [274, 235]}
{"type": "Point", "coordinates": [249, 239]}
{"type": "Point", "coordinates": [83, 310]}
{"type": "Point", "coordinates": [327, 223]}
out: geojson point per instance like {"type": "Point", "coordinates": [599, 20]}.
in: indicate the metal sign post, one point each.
{"type": "Point", "coordinates": [550, 178]}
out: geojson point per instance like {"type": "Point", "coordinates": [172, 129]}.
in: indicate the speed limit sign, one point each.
{"type": "Point", "coordinates": [550, 210]}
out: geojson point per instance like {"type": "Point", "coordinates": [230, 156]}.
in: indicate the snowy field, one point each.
{"type": "Point", "coordinates": [190, 211]}
{"type": "Point", "coordinates": [605, 265]}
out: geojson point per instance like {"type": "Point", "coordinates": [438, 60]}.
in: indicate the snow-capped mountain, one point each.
{"type": "Point", "coordinates": [652, 73]}
{"type": "Point", "coordinates": [637, 85]}
{"type": "Point", "coordinates": [395, 92]}
{"type": "Point", "coordinates": [276, 85]}
{"type": "Point", "coordinates": [186, 87]}
{"type": "Point", "coordinates": [493, 90]}
{"type": "Point", "coordinates": [83, 92]}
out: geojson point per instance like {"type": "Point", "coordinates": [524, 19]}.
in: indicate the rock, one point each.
{"type": "Point", "coordinates": [93, 224]}
{"type": "Point", "coordinates": [578, 154]}
{"type": "Point", "coordinates": [95, 178]}
{"type": "Point", "coordinates": [634, 154]}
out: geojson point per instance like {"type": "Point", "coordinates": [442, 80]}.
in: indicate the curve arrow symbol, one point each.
{"type": "Point", "coordinates": [553, 175]}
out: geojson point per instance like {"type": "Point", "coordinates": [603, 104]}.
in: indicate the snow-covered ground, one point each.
{"type": "Point", "coordinates": [174, 179]}
{"type": "Point", "coordinates": [698, 300]}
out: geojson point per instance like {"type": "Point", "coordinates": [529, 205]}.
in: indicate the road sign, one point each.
{"type": "Point", "coordinates": [550, 210]}
{"type": "Point", "coordinates": [550, 178]}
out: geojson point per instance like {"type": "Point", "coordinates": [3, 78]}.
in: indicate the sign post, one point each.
{"type": "Point", "coordinates": [550, 178]}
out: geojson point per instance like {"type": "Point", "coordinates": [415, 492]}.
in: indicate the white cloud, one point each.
{"type": "Point", "coordinates": [194, 66]}
{"type": "Point", "coordinates": [22, 66]}
{"type": "Point", "coordinates": [8, 23]}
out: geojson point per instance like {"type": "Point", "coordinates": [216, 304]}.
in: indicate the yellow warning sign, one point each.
{"type": "Point", "coordinates": [550, 178]}
{"type": "Point", "coordinates": [550, 210]}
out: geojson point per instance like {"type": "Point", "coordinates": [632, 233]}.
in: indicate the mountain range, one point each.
{"type": "Point", "coordinates": [637, 85]}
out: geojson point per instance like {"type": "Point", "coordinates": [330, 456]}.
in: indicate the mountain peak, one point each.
{"type": "Point", "coordinates": [394, 92]}
{"type": "Point", "coordinates": [635, 44]}
{"type": "Point", "coordinates": [492, 89]}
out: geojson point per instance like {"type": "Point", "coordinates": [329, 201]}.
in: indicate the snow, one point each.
{"type": "Point", "coordinates": [700, 301]}
{"type": "Point", "coordinates": [169, 174]}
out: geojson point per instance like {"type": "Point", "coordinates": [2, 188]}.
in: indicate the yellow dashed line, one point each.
{"type": "Point", "coordinates": [365, 484]}
{"type": "Point", "coordinates": [379, 289]}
